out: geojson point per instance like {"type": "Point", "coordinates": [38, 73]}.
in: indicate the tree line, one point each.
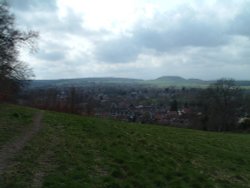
{"type": "Point", "coordinates": [222, 104]}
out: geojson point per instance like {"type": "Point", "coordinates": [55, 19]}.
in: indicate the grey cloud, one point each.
{"type": "Point", "coordinates": [49, 22]}
{"type": "Point", "coordinates": [52, 50]}
{"type": "Point", "coordinates": [240, 24]}
{"type": "Point", "coordinates": [52, 55]}
{"type": "Point", "coordinates": [117, 50]}
{"type": "Point", "coordinates": [197, 33]}
{"type": "Point", "coordinates": [28, 5]}
{"type": "Point", "coordinates": [42, 15]}
{"type": "Point", "coordinates": [72, 23]}
{"type": "Point", "coordinates": [162, 37]}
{"type": "Point", "coordinates": [187, 31]}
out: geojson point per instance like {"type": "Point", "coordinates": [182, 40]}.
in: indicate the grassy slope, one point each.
{"type": "Point", "coordinates": [13, 121]}
{"type": "Point", "coordinates": [72, 151]}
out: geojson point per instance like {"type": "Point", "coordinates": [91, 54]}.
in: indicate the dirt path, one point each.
{"type": "Point", "coordinates": [9, 150]}
{"type": "Point", "coordinates": [45, 165]}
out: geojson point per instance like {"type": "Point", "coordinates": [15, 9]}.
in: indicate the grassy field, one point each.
{"type": "Point", "coordinates": [74, 151]}
{"type": "Point", "coordinates": [13, 121]}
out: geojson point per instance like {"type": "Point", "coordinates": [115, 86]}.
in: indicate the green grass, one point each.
{"type": "Point", "coordinates": [13, 121]}
{"type": "Point", "coordinates": [74, 151]}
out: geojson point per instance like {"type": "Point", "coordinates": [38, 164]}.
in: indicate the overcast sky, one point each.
{"type": "Point", "coordinates": [146, 39]}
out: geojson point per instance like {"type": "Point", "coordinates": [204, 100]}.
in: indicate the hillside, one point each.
{"type": "Point", "coordinates": [164, 81]}
{"type": "Point", "coordinates": [178, 81]}
{"type": "Point", "coordinates": [61, 150]}
{"type": "Point", "coordinates": [83, 82]}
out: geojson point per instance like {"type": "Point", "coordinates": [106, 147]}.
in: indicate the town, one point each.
{"type": "Point", "coordinates": [172, 106]}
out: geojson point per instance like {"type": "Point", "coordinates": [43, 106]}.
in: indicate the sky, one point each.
{"type": "Point", "coordinates": [146, 39]}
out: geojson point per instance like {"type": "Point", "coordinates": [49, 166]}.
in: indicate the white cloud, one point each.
{"type": "Point", "coordinates": [137, 38]}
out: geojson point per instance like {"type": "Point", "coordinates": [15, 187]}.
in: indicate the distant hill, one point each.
{"type": "Point", "coordinates": [178, 82]}
{"type": "Point", "coordinates": [83, 82]}
{"type": "Point", "coordinates": [164, 81]}
{"type": "Point", "coordinates": [170, 78]}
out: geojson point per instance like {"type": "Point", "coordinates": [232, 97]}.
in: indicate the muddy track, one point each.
{"type": "Point", "coordinates": [45, 165]}
{"type": "Point", "coordinates": [9, 150]}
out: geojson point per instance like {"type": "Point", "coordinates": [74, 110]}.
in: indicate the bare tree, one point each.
{"type": "Point", "coordinates": [221, 104]}
{"type": "Point", "coordinates": [13, 72]}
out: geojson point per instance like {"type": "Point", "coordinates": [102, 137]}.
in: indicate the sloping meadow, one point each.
{"type": "Point", "coordinates": [75, 151]}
